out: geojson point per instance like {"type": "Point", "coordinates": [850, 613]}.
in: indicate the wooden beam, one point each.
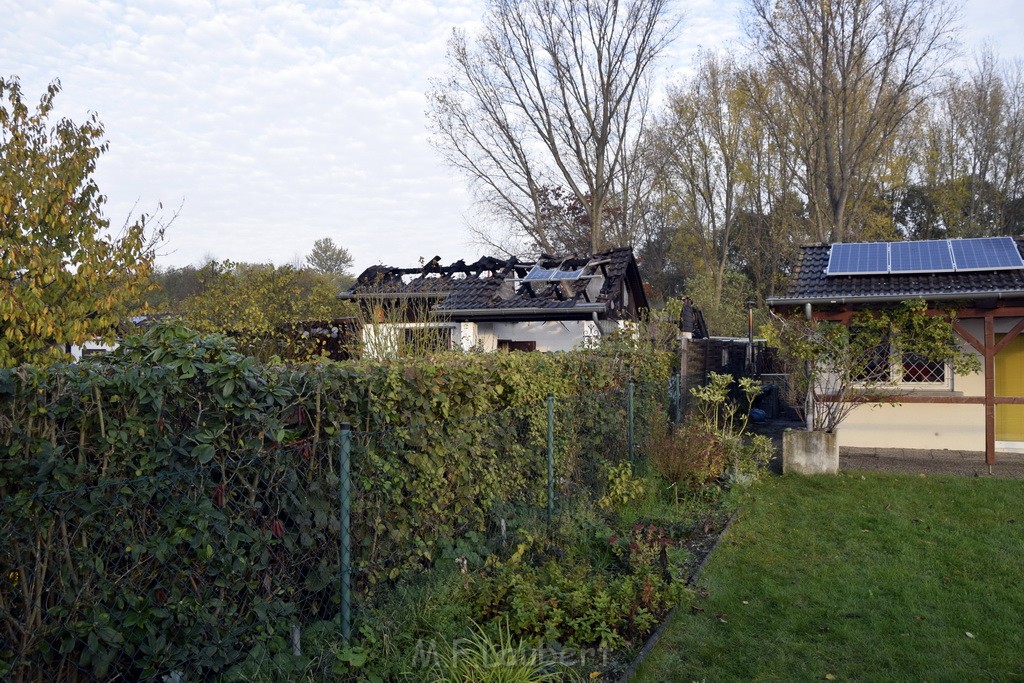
{"type": "Point", "coordinates": [968, 337]}
{"type": "Point", "coordinates": [917, 398]}
{"type": "Point", "coordinates": [990, 390]}
{"type": "Point", "coordinates": [833, 316]}
{"type": "Point", "coordinates": [1010, 336]}
{"type": "Point", "coordinates": [1004, 312]}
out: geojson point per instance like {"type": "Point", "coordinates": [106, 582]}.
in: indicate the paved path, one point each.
{"type": "Point", "coordinates": [906, 460]}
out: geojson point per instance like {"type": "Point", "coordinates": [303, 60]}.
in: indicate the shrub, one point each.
{"type": "Point", "coordinates": [576, 606]}
{"type": "Point", "coordinates": [621, 486]}
{"type": "Point", "coordinates": [173, 508]}
{"type": "Point", "coordinates": [690, 455]}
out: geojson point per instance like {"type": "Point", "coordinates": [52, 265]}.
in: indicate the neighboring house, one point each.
{"type": "Point", "coordinates": [552, 304]}
{"type": "Point", "coordinates": [983, 279]}
{"type": "Point", "coordinates": [97, 348]}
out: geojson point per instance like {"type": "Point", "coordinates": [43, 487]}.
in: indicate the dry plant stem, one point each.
{"type": "Point", "coordinates": [319, 410]}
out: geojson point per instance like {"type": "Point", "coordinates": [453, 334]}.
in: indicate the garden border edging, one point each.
{"type": "Point", "coordinates": [653, 639]}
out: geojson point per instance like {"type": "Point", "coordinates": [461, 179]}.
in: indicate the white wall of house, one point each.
{"type": "Point", "coordinates": [381, 340]}
{"type": "Point", "coordinates": [929, 425]}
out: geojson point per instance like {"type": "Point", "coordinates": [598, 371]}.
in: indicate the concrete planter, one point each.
{"type": "Point", "coordinates": [810, 452]}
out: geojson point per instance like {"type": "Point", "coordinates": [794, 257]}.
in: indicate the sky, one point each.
{"type": "Point", "coordinates": [265, 125]}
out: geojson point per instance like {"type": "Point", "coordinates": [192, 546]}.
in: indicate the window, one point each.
{"type": "Point", "coordinates": [885, 365]}
{"type": "Point", "coordinates": [918, 370]}
{"type": "Point", "coordinates": [509, 345]}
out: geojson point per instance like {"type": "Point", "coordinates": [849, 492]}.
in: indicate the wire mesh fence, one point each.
{"type": "Point", "coordinates": [257, 565]}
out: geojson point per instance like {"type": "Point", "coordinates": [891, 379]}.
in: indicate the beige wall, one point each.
{"type": "Point", "coordinates": [915, 425]}
{"type": "Point", "coordinates": [922, 425]}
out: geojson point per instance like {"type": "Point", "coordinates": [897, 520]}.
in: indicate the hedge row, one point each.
{"type": "Point", "coordinates": [172, 508]}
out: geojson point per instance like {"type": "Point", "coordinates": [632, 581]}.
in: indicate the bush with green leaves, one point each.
{"type": "Point", "coordinates": [576, 606]}
{"type": "Point", "coordinates": [173, 507]}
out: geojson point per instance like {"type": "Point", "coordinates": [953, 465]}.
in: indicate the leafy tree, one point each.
{"type": "Point", "coordinates": [552, 93]}
{"type": "Point", "coordinates": [64, 277]}
{"type": "Point", "coordinates": [329, 258]}
{"type": "Point", "coordinates": [970, 171]}
{"type": "Point", "coordinates": [257, 302]}
{"type": "Point", "coordinates": [171, 286]}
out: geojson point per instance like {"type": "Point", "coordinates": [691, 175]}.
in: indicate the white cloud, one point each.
{"type": "Point", "coordinates": [281, 122]}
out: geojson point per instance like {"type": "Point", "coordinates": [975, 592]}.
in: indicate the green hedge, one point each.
{"type": "Point", "coordinates": [173, 507]}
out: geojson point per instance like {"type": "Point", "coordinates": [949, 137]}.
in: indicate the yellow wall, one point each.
{"type": "Point", "coordinates": [1010, 382]}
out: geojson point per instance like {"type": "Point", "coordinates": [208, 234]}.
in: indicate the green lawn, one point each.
{"type": "Point", "coordinates": [859, 577]}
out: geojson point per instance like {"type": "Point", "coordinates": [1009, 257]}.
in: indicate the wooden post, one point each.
{"type": "Point", "coordinates": [990, 392]}
{"type": "Point", "coordinates": [684, 375]}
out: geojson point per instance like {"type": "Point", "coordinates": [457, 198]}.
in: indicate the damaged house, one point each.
{"type": "Point", "coordinates": [551, 304]}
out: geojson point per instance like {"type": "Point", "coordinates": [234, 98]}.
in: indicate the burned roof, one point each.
{"type": "Point", "coordinates": [494, 288]}
{"type": "Point", "coordinates": [811, 284]}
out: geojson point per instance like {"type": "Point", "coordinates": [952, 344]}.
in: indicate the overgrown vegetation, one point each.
{"type": "Point", "coordinates": [172, 506]}
{"type": "Point", "coordinates": [257, 304]}
{"type": "Point", "coordinates": [714, 440]}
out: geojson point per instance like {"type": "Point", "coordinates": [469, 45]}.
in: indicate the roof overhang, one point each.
{"type": "Point", "coordinates": [774, 302]}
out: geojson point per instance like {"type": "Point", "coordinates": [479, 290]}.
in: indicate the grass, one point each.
{"type": "Point", "coordinates": [859, 577]}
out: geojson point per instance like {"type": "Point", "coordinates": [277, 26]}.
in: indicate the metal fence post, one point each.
{"type": "Point", "coordinates": [346, 535]}
{"type": "Point", "coordinates": [629, 409]}
{"type": "Point", "coordinates": [675, 397]}
{"type": "Point", "coordinates": [551, 456]}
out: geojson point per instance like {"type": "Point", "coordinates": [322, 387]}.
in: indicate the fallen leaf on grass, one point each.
{"type": "Point", "coordinates": [721, 617]}
{"type": "Point", "coordinates": [968, 634]}
{"type": "Point", "coordinates": [695, 609]}
{"type": "Point", "coordinates": [830, 677]}
{"type": "Point", "coordinates": [746, 602]}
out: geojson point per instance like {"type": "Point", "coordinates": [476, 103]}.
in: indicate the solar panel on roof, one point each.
{"type": "Point", "coordinates": [539, 274]}
{"type": "Point", "coordinates": [866, 258]}
{"type": "Point", "coordinates": [568, 274]}
{"type": "Point", "coordinates": [927, 256]}
{"type": "Point", "coordinates": [986, 253]}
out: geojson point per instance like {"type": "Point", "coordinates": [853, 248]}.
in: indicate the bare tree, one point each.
{"type": "Point", "coordinates": [550, 94]}
{"type": "Point", "coordinates": [853, 71]}
{"type": "Point", "coordinates": [700, 141]}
